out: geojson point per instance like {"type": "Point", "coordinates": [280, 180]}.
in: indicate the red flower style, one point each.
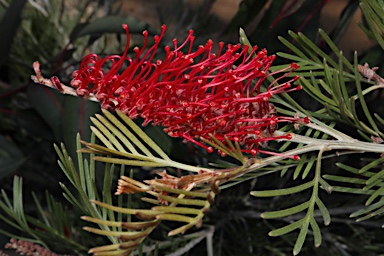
{"type": "Point", "coordinates": [194, 93]}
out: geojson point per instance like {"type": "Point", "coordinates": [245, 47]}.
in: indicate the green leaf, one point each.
{"type": "Point", "coordinates": [344, 179]}
{"type": "Point", "coordinates": [368, 209]}
{"type": "Point", "coordinates": [344, 21]}
{"type": "Point", "coordinates": [316, 232]}
{"type": "Point", "coordinates": [47, 232]}
{"type": "Point", "coordinates": [308, 44]}
{"type": "Point", "coordinates": [286, 229]}
{"type": "Point", "coordinates": [282, 16]}
{"type": "Point", "coordinates": [374, 19]}
{"type": "Point", "coordinates": [371, 165]}
{"type": "Point", "coordinates": [325, 185]}
{"type": "Point", "coordinates": [379, 118]}
{"type": "Point", "coordinates": [300, 165]}
{"type": "Point", "coordinates": [143, 136]}
{"type": "Point", "coordinates": [375, 177]}
{"type": "Point", "coordinates": [284, 191]}
{"type": "Point", "coordinates": [110, 24]}
{"type": "Point", "coordinates": [285, 212]}
{"type": "Point", "coordinates": [161, 138]}
{"type": "Point", "coordinates": [40, 209]}
{"type": "Point", "coordinates": [3, 10]}
{"type": "Point", "coordinates": [353, 190]}
{"type": "Point", "coordinates": [371, 215]}
{"type": "Point", "coordinates": [347, 168]}
{"type": "Point", "coordinates": [307, 169]}
{"type": "Point", "coordinates": [375, 195]}
{"type": "Point", "coordinates": [335, 49]}
{"type": "Point", "coordinates": [175, 217]}
{"type": "Point", "coordinates": [122, 132]}
{"type": "Point", "coordinates": [300, 55]}
{"type": "Point", "coordinates": [66, 115]}
{"type": "Point", "coordinates": [302, 41]}
{"type": "Point", "coordinates": [76, 119]}
{"type": "Point", "coordinates": [324, 212]}
{"type": "Point", "coordinates": [8, 27]}
{"type": "Point", "coordinates": [172, 209]}
{"type": "Point", "coordinates": [107, 188]}
{"type": "Point", "coordinates": [248, 10]}
{"type": "Point", "coordinates": [101, 135]}
{"type": "Point", "coordinates": [48, 103]}
{"type": "Point", "coordinates": [301, 237]}
{"type": "Point", "coordinates": [83, 185]}
{"type": "Point", "coordinates": [183, 201]}
{"type": "Point", "coordinates": [11, 157]}
{"type": "Point", "coordinates": [70, 197]}
{"type": "Point", "coordinates": [362, 99]}
{"type": "Point", "coordinates": [130, 162]}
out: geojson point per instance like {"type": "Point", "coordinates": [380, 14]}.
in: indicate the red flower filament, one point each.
{"type": "Point", "coordinates": [191, 94]}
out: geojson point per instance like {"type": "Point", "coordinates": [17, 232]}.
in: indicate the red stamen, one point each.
{"type": "Point", "coordinates": [192, 93]}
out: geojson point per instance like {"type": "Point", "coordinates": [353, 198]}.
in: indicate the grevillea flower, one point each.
{"type": "Point", "coordinates": [191, 93]}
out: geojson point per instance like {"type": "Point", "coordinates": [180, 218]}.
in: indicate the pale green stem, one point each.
{"type": "Point", "coordinates": [342, 142]}
{"type": "Point", "coordinates": [368, 90]}
{"type": "Point", "coordinates": [181, 166]}
{"type": "Point", "coordinates": [328, 130]}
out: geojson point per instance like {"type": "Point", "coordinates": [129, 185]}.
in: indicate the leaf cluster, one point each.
{"type": "Point", "coordinates": [126, 144]}
{"type": "Point", "coordinates": [52, 230]}
{"type": "Point", "coordinates": [339, 97]}
{"type": "Point", "coordinates": [336, 84]}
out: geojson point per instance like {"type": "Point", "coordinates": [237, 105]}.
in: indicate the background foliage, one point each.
{"type": "Point", "coordinates": [59, 33]}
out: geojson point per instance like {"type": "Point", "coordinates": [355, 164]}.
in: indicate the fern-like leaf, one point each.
{"type": "Point", "coordinates": [329, 83]}
{"type": "Point", "coordinates": [309, 219]}
{"type": "Point", "coordinates": [172, 204]}
{"type": "Point", "coordinates": [368, 180]}
{"type": "Point", "coordinates": [49, 229]}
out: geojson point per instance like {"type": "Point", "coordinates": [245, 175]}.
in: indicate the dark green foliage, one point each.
{"type": "Point", "coordinates": [295, 200]}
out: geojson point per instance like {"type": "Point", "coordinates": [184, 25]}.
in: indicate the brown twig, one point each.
{"type": "Point", "coordinates": [370, 73]}
{"type": "Point", "coordinates": [55, 83]}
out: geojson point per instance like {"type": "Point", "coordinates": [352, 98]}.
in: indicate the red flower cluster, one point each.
{"type": "Point", "coordinates": [191, 93]}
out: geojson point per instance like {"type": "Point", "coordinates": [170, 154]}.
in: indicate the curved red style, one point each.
{"type": "Point", "coordinates": [191, 93]}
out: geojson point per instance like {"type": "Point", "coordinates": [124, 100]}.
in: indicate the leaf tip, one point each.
{"type": "Point", "coordinates": [84, 217]}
